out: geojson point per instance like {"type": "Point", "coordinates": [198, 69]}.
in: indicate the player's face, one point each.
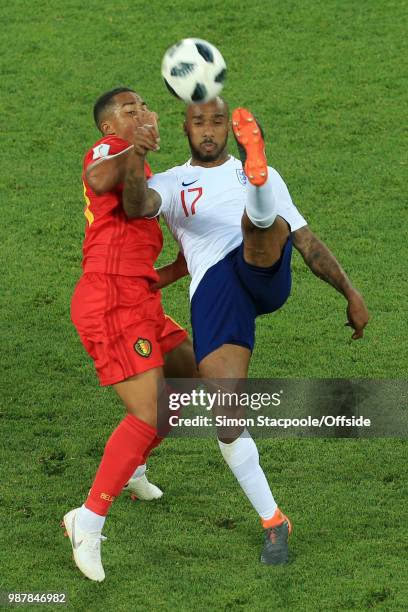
{"type": "Point", "coordinates": [125, 115]}
{"type": "Point", "coordinates": [206, 127]}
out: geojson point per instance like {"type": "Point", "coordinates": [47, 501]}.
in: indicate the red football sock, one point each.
{"type": "Point", "coordinates": [124, 452]}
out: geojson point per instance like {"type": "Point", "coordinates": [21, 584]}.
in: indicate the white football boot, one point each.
{"type": "Point", "coordinates": [141, 488]}
{"type": "Point", "coordinates": [86, 547]}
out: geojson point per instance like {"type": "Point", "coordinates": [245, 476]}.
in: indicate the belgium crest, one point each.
{"type": "Point", "coordinates": [143, 347]}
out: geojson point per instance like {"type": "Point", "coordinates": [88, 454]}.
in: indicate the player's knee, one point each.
{"type": "Point", "coordinates": [249, 227]}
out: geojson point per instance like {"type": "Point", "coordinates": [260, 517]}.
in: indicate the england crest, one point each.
{"type": "Point", "coordinates": [241, 177]}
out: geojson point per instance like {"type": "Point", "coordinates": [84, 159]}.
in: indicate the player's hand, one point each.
{"type": "Point", "coordinates": [150, 119]}
{"type": "Point", "coordinates": [146, 124]}
{"type": "Point", "coordinates": [357, 315]}
{"type": "Point", "coordinates": [145, 139]}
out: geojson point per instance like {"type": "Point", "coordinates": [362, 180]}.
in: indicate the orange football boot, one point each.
{"type": "Point", "coordinates": [249, 137]}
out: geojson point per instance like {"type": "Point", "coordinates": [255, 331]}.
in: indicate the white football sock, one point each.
{"type": "Point", "coordinates": [89, 521]}
{"type": "Point", "coordinates": [139, 472]}
{"type": "Point", "coordinates": [243, 458]}
{"type": "Point", "coordinates": [261, 204]}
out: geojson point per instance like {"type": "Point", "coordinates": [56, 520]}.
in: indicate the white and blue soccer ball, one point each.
{"type": "Point", "coordinates": [194, 70]}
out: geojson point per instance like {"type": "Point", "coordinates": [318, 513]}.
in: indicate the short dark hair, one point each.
{"type": "Point", "coordinates": [104, 101]}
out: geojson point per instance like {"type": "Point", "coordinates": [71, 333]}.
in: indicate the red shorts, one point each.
{"type": "Point", "coordinates": [122, 325]}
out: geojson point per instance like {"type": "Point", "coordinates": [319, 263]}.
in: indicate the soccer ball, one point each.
{"type": "Point", "coordinates": [194, 70]}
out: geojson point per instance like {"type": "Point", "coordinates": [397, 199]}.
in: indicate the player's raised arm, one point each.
{"type": "Point", "coordinates": [109, 171]}
{"type": "Point", "coordinates": [138, 199]}
{"type": "Point", "coordinates": [106, 173]}
{"type": "Point", "coordinates": [323, 264]}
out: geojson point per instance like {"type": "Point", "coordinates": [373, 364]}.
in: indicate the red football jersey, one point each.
{"type": "Point", "coordinates": [113, 243]}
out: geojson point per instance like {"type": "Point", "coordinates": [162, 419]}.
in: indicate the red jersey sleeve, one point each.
{"type": "Point", "coordinates": [106, 146]}
{"type": "Point", "coordinates": [110, 145]}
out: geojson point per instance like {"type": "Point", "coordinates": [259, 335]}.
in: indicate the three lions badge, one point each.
{"type": "Point", "coordinates": [143, 347]}
{"type": "Point", "coordinates": [241, 176]}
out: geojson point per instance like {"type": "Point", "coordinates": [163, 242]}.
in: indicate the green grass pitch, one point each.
{"type": "Point", "coordinates": [327, 80]}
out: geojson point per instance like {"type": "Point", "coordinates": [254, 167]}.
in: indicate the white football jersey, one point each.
{"type": "Point", "coordinates": [203, 208]}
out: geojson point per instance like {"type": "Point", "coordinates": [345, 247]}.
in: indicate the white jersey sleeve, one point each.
{"type": "Point", "coordinates": [164, 183]}
{"type": "Point", "coordinates": [286, 207]}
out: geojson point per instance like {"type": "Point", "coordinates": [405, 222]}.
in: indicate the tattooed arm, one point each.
{"type": "Point", "coordinates": [323, 264]}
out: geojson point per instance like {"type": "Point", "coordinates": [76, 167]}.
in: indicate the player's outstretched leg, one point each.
{"type": "Point", "coordinates": [265, 234]}
{"type": "Point", "coordinates": [261, 205]}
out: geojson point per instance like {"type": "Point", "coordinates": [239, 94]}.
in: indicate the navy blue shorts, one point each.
{"type": "Point", "coordinates": [231, 294]}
